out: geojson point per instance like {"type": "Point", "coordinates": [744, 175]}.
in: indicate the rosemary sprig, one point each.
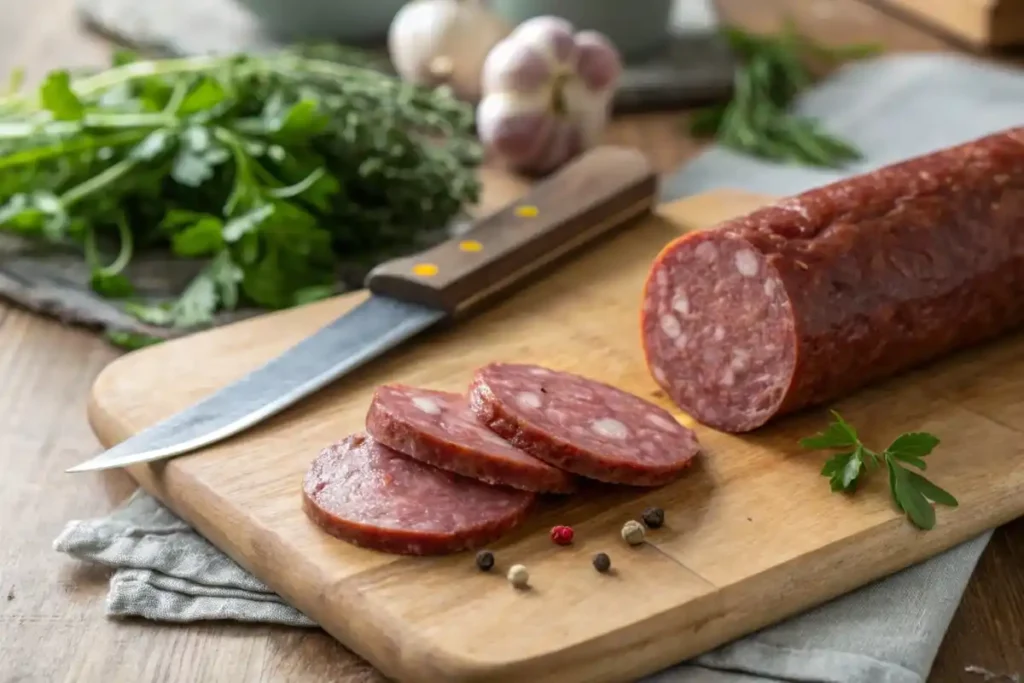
{"type": "Point", "coordinates": [757, 120]}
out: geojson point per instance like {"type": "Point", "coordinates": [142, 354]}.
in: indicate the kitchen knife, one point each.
{"type": "Point", "coordinates": [598, 192]}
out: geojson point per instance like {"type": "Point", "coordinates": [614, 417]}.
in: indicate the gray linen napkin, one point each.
{"type": "Point", "coordinates": [165, 571]}
{"type": "Point", "coordinates": [886, 632]}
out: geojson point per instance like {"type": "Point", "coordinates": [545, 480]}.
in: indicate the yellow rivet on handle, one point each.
{"type": "Point", "coordinates": [470, 245]}
{"type": "Point", "coordinates": [425, 269]}
{"type": "Point", "coordinates": [527, 211]}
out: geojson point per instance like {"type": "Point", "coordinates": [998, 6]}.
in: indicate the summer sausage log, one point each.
{"type": "Point", "coordinates": [374, 497]}
{"type": "Point", "coordinates": [581, 425]}
{"type": "Point", "coordinates": [809, 299]}
{"type": "Point", "coordinates": [438, 428]}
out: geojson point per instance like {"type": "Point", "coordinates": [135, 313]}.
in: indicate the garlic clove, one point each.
{"type": "Point", "coordinates": [434, 42]}
{"type": "Point", "coordinates": [514, 66]}
{"type": "Point", "coordinates": [564, 138]}
{"type": "Point", "coordinates": [589, 109]}
{"type": "Point", "coordinates": [552, 35]}
{"type": "Point", "coordinates": [598, 63]}
{"type": "Point", "coordinates": [513, 126]}
{"type": "Point", "coordinates": [544, 158]}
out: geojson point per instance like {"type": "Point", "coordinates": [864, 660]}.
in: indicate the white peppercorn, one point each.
{"type": "Point", "coordinates": [518, 576]}
{"type": "Point", "coordinates": [633, 532]}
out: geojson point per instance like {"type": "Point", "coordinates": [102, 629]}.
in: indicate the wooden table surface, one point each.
{"type": "Point", "coordinates": [52, 626]}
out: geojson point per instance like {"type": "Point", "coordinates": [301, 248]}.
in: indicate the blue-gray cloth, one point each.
{"type": "Point", "coordinates": [886, 632]}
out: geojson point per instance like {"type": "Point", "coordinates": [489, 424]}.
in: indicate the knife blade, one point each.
{"type": "Point", "coordinates": [599, 192]}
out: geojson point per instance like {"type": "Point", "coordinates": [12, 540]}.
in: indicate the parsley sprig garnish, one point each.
{"type": "Point", "coordinates": [910, 490]}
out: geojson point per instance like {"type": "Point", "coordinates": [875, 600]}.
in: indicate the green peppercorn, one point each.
{"type": "Point", "coordinates": [485, 560]}
{"type": "Point", "coordinates": [654, 518]}
{"type": "Point", "coordinates": [602, 562]}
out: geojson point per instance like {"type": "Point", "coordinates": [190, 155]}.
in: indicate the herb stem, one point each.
{"type": "Point", "coordinates": [145, 69]}
{"type": "Point", "coordinates": [124, 256]}
{"type": "Point", "coordinates": [134, 120]}
{"type": "Point", "coordinates": [97, 182]}
{"type": "Point", "coordinates": [34, 155]}
{"type": "Point", "coordinates": [298, 188]}
{"type": "Point", "coordinates": [177, 97]}
{"type": "Point", "coordinates": [10, 130]}
{"type": "Point", "coordinates": [124, 253]}
{"type": "Point", "coordinates": [243, 178]}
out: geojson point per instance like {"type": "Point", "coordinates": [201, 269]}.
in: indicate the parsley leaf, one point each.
{"type": "Point", "coordinates": [198, 303]}
{"type": "Point", "coordinates": [838, 435]}
{"type": "Point", "coordinates": [911, 500]}
{"type": "Point", "coordinates": [58, 98]}
{"type": "Point", "coordinates": [202, 238]}
{"type": "Point", "coordinates": [843, 470]}
{"type": "Point", "coordinates": [131, 341]}
{"type": "Point", "coordinates": [156, 314]}
{"type": "Point", "coordinates": [308, 295]}
{"type": "Point", "coordinates": [931, 491]}
{"type": "Point", "coordinates": [247, 222]}
{"type": "Point", "coordinates": [911, 492]}
{"type": "Point", "coordinates": [911, 448]}
{"type": "Point", "coordinates": [113, 285]}
{"type": "Point", "coordinates": [890, 465]}
{"type": "Point", "coordinates": [207, 94]}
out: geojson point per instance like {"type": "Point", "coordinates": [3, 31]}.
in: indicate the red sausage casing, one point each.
{"type": "Point", "coordinates": [374, 497]}
{"type": "Point", "coordinates": [809, 299]}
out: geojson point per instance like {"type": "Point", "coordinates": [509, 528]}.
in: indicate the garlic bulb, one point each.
{"type": "Point", "coordinates": [547, 92]}
{"type": "Point", "coordinates": [444, 42]}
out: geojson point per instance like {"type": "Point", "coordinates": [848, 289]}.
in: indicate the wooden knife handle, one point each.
{"type": "Point", "coordinates": [596, 193]}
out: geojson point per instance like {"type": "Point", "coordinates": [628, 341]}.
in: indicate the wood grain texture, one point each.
{"type": "Point", "coordinates": [46, 371]}
{"type": "Point", "coordinates": [753, 533]}
{"type": "Point", "coordinates": [981, 24]}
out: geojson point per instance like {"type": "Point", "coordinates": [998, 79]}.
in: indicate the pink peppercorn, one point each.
{"type": "Point", "coordinates": [562, 535]}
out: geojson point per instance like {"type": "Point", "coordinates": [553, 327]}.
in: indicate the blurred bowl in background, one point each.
{"type": "Point", "coordinates": [638, 28]}
{"type": "Point", "coordinates": [356, 22]}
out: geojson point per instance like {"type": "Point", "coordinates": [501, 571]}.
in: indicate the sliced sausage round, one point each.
{"type": "Point", "coordinates": [374, 497]}
{"type": "Point", "coordinates": [581, 425]}
{"type": "Point", "coordinates": [809, 299]}
{"type": "Point", "coordinates": [438, 428]}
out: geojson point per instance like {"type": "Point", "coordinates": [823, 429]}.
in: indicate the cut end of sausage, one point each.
{"type": "Point", "coordinates": [581, 425]}
{"type": "Point", "coordinates": [718, 331]}
{"type": "Point", "coordinates": [374, 497]}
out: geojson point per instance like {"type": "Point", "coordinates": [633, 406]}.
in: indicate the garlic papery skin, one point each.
{"type": "Point", "coordinates": [444, 42]}
{"type": "Point", "coordinates": [547, 93]}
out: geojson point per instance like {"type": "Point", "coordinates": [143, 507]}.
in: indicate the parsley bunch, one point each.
{"type": "Point", "coordinates": [757, 121]}
{"type": "Point", "coordinates": [910, 491]}
{"type": "Point", "coordinates": [270, 169]}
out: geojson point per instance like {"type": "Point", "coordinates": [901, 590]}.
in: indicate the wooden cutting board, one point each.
{"type": "Point", "coordinates": [752, 533]}
{"type": "Point", "coordinates": [981, 24]}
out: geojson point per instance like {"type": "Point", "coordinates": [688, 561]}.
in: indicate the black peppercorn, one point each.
{"type": "Point", "coordinates": [654, 517]}
{"type": "Point", "coordinates": [602, 562]}
{"type": "Point", "coordinates": [485, 560]}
